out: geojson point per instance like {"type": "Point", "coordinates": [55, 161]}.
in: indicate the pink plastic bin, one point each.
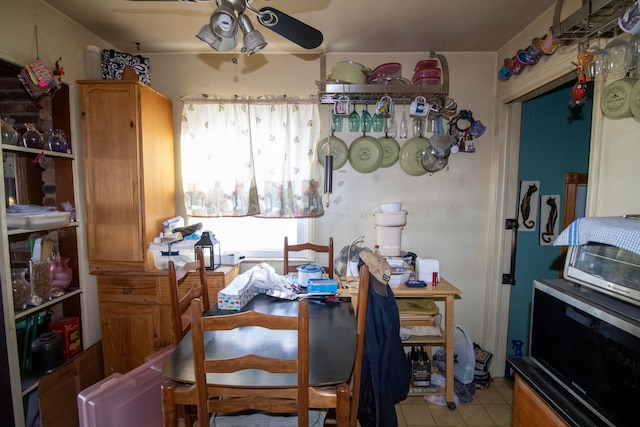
{"type": "Point", "coordinates": [126, 400]}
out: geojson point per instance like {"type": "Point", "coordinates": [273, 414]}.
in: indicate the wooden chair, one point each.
{"type": "Point", "coordinates": [308, 247]}
{"type": "Point", "coordinates": [213, 399]}
{"type": "Point", "coordinates": [180, 304]}
{"type": "Point", "coordinates": [361, 317]}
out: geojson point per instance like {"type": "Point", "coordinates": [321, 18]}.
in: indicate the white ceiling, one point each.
{"type": "Point", "coordinates": [169, 26]}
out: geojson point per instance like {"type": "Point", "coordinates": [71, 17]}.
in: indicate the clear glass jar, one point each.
{"type": "Point", "coordinates": [56, 141]}
{"type": "Point", "coordinates": [21, 288]}
{"type": "Point", "coordinates": [40, 281]}
{"type": "Point", "coordinates": [10, 135]}
{"type": "Point", "coordinates": [32, 138]}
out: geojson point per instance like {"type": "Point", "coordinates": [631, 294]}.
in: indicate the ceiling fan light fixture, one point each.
{"type": "Point", "coordinates": [220, 44]}
{"type": "Point", "coordinates": [253, 40]}
{"type": "Point", "coordinates": [224, 22]}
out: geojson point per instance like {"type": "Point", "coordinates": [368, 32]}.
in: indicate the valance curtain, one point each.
{"type": "Point", "coordinates": [251, 156]}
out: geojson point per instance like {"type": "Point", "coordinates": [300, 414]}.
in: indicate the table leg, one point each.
{"type": "Point", "coordinates": [343, 404]}
{"type": "Point", "coordinates": [449, 352]}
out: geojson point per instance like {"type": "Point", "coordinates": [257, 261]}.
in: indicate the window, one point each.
{"type": "Point", "coordinates": [250, 172]}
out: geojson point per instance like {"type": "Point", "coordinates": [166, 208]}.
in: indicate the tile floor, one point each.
{"type": "Point", "coordinates": [490, 407]}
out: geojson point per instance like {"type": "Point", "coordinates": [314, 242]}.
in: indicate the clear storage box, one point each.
{"type": "Point", "coordinates": [179, 252]}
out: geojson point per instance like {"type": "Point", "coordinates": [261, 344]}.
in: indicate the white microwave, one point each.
{"type": "Point", "coordinates": [605, 268]}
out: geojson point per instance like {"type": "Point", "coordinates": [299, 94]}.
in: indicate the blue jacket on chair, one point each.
{"type": "Point", "coordinates": [386, 374]}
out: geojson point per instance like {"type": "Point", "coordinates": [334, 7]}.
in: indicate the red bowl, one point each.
{"type": "Point", "coordinates": [427, 73]}
{"type": "Point", "coordinates": [390, 70]}
{"type": "Point", "coordinates": [427, 81]}
{"type": "Point", "coordinates": [426, 63]}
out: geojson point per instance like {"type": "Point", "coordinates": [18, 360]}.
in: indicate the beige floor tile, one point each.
{"type": "Point", "coordinates": [417, 415]}
{"type": "Point", "coordinates": [475, 415]}
{"type": "Point", "coordinates": [489, 396]}
{"type": "Point", "coordinates": [444, 416]}
{"type": "Point", "coordinates": [500, 414]}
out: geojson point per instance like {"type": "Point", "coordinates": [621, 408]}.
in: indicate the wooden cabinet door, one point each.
{"type": "Point", "coordinates": [112, 174]}
{"type": "Point", "coordinates": [128, 161]}
{"type": "Point", "coordinates": [128, 335]}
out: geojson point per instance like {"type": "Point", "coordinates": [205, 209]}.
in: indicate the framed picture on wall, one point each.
{"type": "Point", "coordinates": [549, 227]}
{"type": "Point", "coordinates": [528, 205]}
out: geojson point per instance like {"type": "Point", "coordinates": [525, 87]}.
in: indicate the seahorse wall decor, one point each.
{"type": "Point", "coordinates": [549, 210]}
{"type": "Point", "coordinates": [529, 204]}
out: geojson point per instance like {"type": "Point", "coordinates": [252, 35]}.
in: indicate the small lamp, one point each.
{"type": "Point", "coordinates": [210, 247]}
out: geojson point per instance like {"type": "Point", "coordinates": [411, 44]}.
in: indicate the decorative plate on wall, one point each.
{"type": "Point", "coordinates": [339, 151]}
{"type": "Point", "coordinates": [390, 151]}
{"type": "Point", "coordinates": [411, 156]}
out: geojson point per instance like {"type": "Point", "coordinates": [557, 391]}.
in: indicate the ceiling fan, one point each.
{"type": "Point", "coordinates": [221, 34]}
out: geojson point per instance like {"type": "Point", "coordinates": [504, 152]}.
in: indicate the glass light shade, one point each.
{"type": "Point", "coordinates": [216, 43]}
{"type": "Point", "coordinates": [253, 40]}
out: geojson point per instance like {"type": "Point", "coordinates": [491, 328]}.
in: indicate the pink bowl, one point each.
{"type": "Point", "coordinates": [426, 73]}
{"type": "Point", "coordinates": [391, 70]}
{"type": "Point", "coordinates": [427, 81]}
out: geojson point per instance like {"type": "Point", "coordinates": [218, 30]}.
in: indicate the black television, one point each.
{"type": "Point", "coordinates": [588, 344]}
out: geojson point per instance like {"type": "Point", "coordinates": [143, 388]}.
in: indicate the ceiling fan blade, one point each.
{"type": "Point", "coordinates": [292, 29]}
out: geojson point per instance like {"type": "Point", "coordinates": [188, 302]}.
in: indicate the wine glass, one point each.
{"type": "Point", "coordinates": [337, 121]}
{"type": "Point", "coordinates": [403, 125]}
{"type": "Point", "coordinates": [354, 120]}
{"type": "Point", "coordinates": [367, 120]}
{"type": "Point", "coordinates": [617, 50]}
{"type": "Point", "coordinates": [392, 126]}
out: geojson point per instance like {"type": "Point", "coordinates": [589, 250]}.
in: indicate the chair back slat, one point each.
{"type": "Point", "coordinates": [220, 399]}
{"type": "Point", "coordinates": [328, 249]}
{"type": "Point", "coordinates": [181, 298]}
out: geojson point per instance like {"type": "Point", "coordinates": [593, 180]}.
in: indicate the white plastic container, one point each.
{"type": "Point", "coordinates": [425, 267]}
{"type": "Point", "coordinates": [179, 252]}
{"type": "Point", "coordinates": [391, 219]}
{"type": "Point", "coordinates": [308, 271]}
{"type": "Point", "coordinates": [389, 239]}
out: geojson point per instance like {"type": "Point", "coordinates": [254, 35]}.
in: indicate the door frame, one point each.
{"type": "Point", "coordinates": [506, 151]}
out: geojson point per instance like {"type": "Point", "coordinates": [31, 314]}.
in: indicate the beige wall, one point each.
{"type": "Point", "coordinates": [448, 212]}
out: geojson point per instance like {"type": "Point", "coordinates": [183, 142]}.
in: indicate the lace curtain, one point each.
{"type": "Point", "coordinates": [245, 156]}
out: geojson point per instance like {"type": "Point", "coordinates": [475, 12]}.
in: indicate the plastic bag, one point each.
{"type": "Point", "coordinates": [465, 356]}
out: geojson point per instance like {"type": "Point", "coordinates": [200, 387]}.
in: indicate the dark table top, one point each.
{"type": "Point", "coordinates": [332, 344]}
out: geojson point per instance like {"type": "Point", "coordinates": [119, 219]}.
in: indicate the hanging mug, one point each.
{"type": "Point", "coordinates": [341, 106]}
{"type": "Point", "coordinates": [384, 106]}
{"type": "Point", "coordinates": [419, 107]}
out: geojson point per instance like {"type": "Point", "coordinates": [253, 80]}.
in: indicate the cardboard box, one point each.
{"type": "Point", "coordinates": [69, 328]}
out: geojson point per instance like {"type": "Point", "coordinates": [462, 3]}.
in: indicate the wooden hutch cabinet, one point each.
{"type": "Point", "coordinates": [128, 162]}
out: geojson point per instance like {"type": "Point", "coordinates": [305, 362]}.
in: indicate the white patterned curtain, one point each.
{"type": "Point", "coordinates": [251, 156]}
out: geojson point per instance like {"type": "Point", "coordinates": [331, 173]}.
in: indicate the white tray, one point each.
{"type": "Point", "coordinates": [33, 221]}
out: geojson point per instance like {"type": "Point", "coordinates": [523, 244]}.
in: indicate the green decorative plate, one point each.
{"type": "Point", "coordinates": [365, 154]}
{"type": "Point", "coordinates": [411, 156]}
{"type": "Point", "coordinates": [390, 151]}
{"type": "Point", "coordinates": [339, 151]}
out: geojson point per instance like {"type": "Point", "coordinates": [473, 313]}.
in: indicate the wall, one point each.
{"type": "Point", "coordinates": [448, 212]}
{"type": "Point", "coordinates": [58, 37]}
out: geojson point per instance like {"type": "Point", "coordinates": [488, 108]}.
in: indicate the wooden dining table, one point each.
{"type": "Point", "coordinates": [332, 347]}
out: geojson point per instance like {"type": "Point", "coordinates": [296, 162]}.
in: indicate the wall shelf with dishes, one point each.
{"type": "Point", "coordinates": [361, 85]}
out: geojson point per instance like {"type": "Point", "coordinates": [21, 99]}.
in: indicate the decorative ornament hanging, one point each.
{"type": "Point", "coordinates": [36, 77]}
{"type": "Point", "coordinates": [579, 90]}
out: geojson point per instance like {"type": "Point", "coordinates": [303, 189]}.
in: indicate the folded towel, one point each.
{"type": "Point", "coordinates": [616, 231]}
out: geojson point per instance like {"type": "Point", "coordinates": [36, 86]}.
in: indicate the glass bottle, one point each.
{"type": "Point", "coordinates": [56, 141]}
{"type": "Point", "coordinates": [60, 272]}
{"type": "Point", "coordinates": [32, 138]}
{"type": "Point", "coordinates": [403, 126]}
{"type": "Point", "coordinates": [21, 288]}
{"type": "Point", "coordinates": [10, 135]}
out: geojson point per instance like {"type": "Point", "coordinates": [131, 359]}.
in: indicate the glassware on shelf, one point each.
{"type": "Point", "coordinates": [21, 288]}
{"type": "Point", "coordinates": [354, 120]}
{"type": "Point", "coordinates": [378, 122]}
{"type": "Point", "coordinates": [32, 138]}
{"type": "Point", "coordinates": [403, 126]}
{"type": "Point", "coordinates": [367, 120]}
{"type": "Point", "coordinates": [60, 272]}
{"type": "Point", "coordinates": [56, 141]}
{"type": "Point", "coordinates": [392, 126]}
{"type": "Point", "coordinates": [336, 122]}
{"type": "Point", "coordinates": [40, 281]}
{"type": "Point", "coordinates": [10, 135]}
